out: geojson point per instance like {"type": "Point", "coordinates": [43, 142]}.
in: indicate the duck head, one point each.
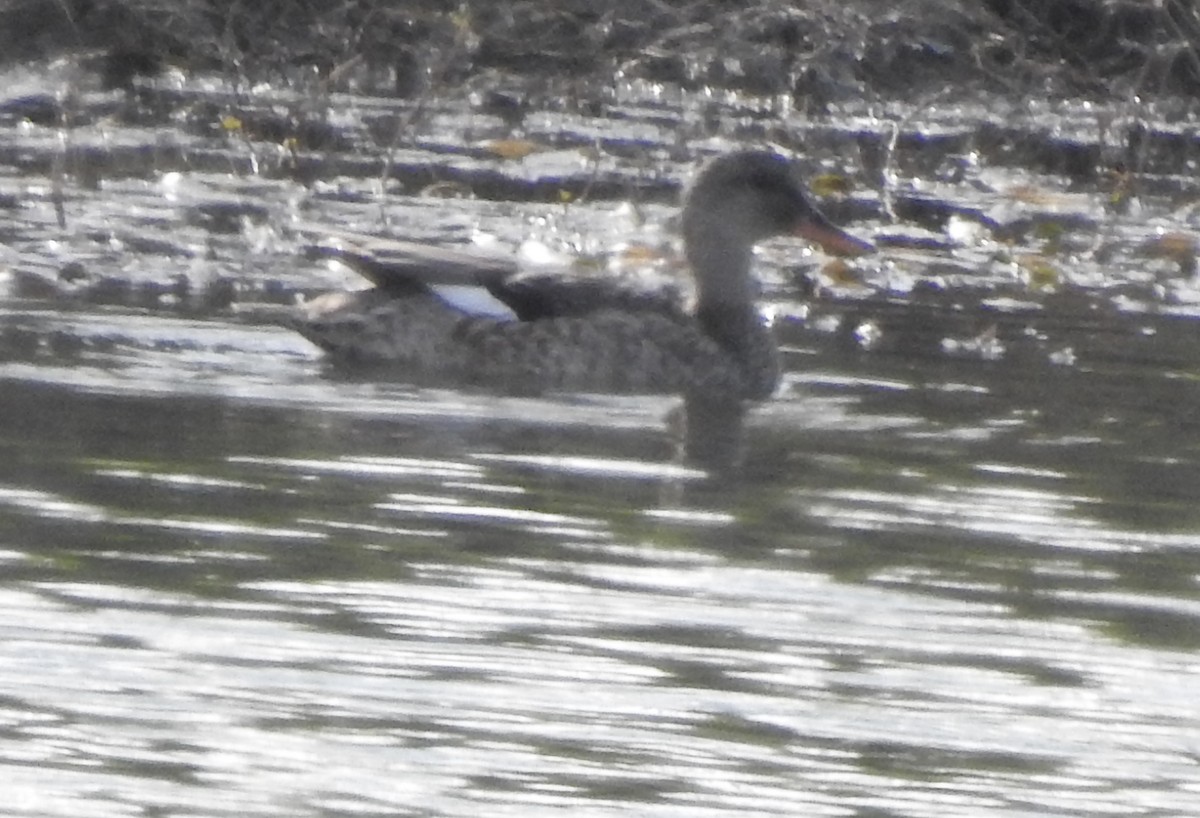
{"type": "Point", "coordinates": [738, 200]}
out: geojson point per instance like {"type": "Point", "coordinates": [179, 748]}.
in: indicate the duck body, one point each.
{"type": "Point", "coordinates": [540, 334]}
{"type": "Point", "coordinates": [614, 350]}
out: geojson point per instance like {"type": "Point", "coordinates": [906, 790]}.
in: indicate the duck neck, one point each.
{"type": "Point", "coordinates": [724, 290]}
{"type": "Point", "coordinates": [722, 271]}
{"type": "Point", "coordinates": [726, 311]}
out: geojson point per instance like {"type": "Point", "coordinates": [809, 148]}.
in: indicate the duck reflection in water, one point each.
{"type": "Point", "coordinates": [469, 319]}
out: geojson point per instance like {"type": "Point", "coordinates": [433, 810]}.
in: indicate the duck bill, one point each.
{"type": "Point", "coordinates": [832, 239]}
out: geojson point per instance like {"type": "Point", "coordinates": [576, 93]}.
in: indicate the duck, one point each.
{"type": "Point", "coordinates": [467, 318]}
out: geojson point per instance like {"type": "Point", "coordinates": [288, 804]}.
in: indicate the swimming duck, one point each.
{"type": "Point", "coordinates": [555, 334]}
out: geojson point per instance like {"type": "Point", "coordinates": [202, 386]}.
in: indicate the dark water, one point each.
{"type": "Point", "coordinates": [953, 569]}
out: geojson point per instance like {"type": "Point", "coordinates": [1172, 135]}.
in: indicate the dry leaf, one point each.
{"type": "Point", "coordinates": [511, 148]}
{"type": "Point", "coordinates": [829, 184]}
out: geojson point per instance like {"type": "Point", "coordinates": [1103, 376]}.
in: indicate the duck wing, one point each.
{"type": "Point", "coordinates": [395, 264]}
{"type": "Point", "coordinates": [535, 296]}
{"type": "Point", "coordinates": [482, 284]}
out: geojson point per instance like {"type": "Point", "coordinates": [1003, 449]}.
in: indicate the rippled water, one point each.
{"type": "Point", "coordinates": [953, 569]}
{"type": "Point", "coordinates": [240, 588]}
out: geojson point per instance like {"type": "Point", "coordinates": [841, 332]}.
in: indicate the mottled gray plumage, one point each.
{"type": "Point", "coordinates": [586, 337]}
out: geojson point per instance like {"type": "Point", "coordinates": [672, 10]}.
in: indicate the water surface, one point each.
{"type": "Point", "coordinates": [950, 570]}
